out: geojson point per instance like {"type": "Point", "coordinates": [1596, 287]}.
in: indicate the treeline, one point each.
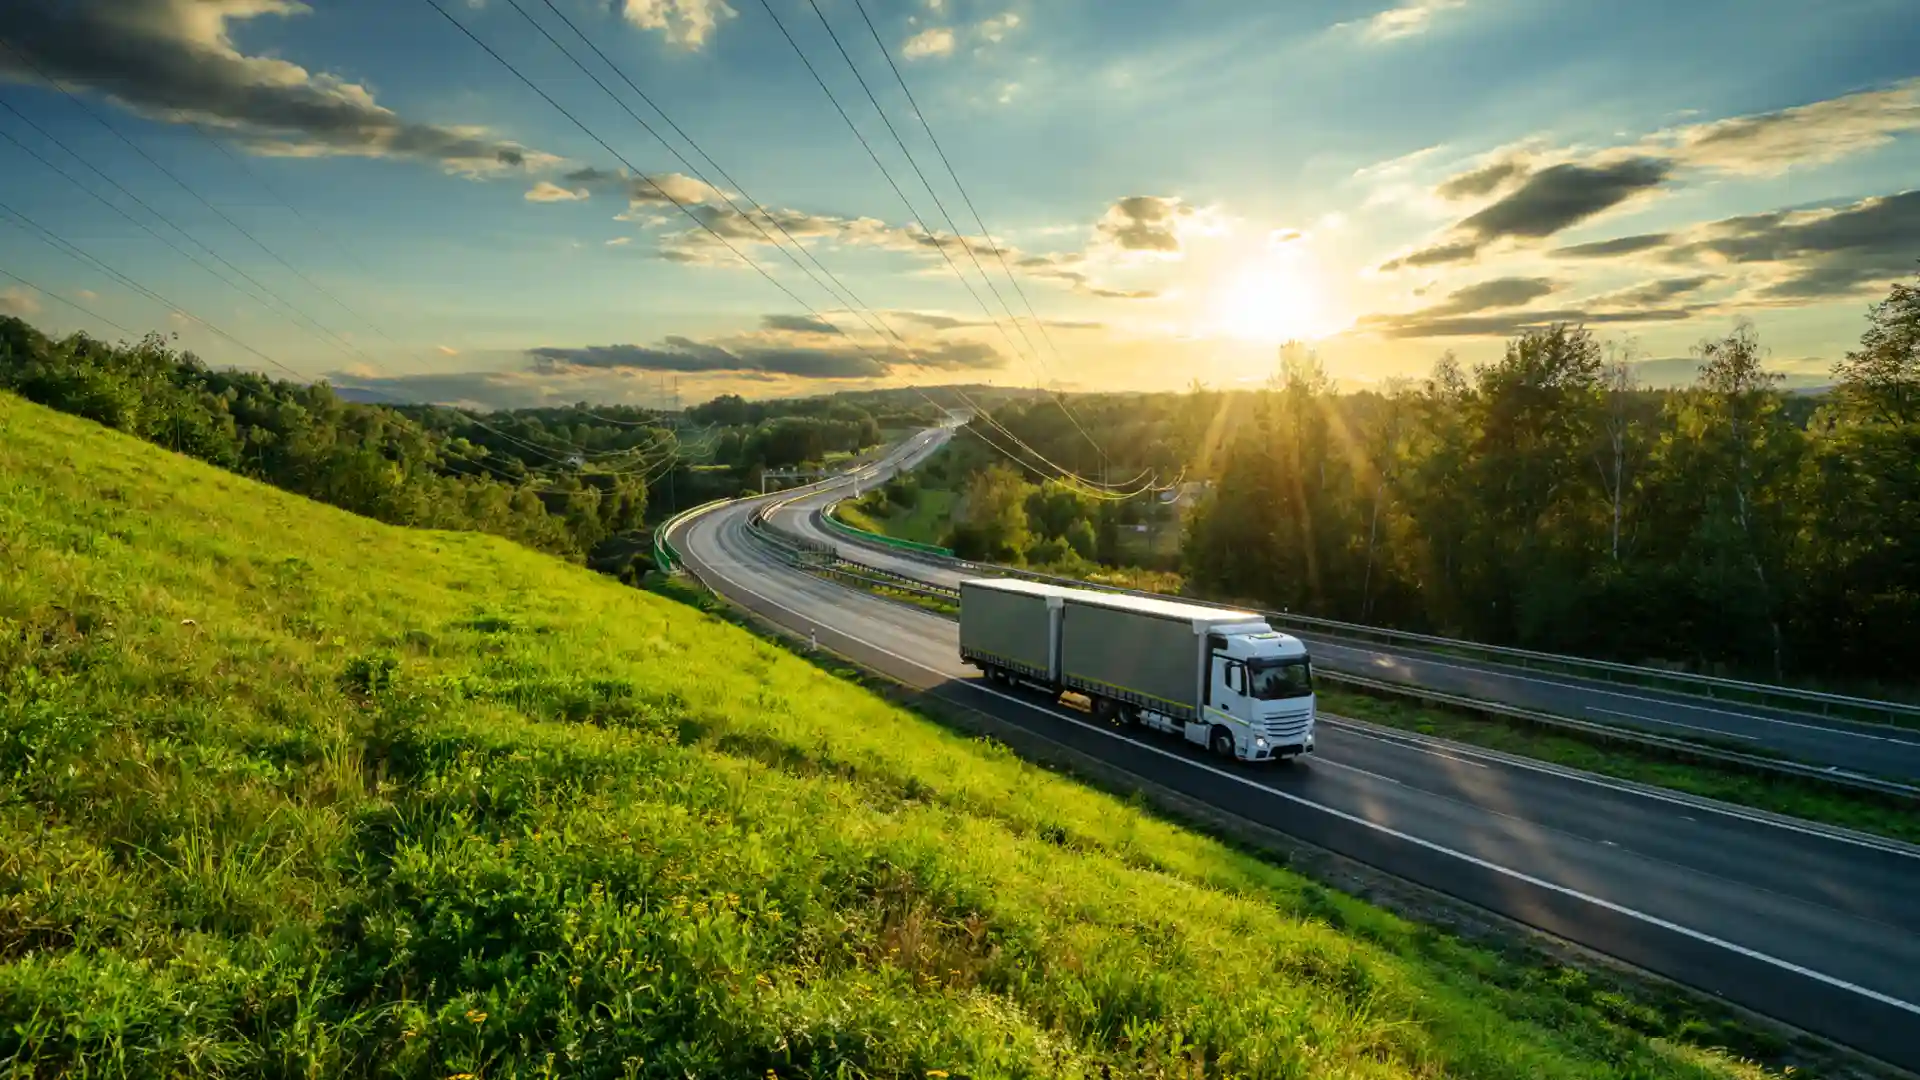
{"type": "Point", "coordinates": [404, 467]}
{"type": "Point", "coordinates": [576, 481]}
{"type": "Point", "coordinates": [1546, 500]}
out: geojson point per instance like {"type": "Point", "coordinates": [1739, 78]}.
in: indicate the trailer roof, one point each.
{"type": "Point", "coordinates": [1017, 585]}
{"type": "Point", "coordinates": [1162, 607]}
{"type": "Point", "coordinates": [1182, 610]}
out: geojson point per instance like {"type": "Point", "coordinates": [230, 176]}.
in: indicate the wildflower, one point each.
{"type": "Point", "coordinates": [476, 1016]}
{"type": "Point", "coordinates": [938, 1074]}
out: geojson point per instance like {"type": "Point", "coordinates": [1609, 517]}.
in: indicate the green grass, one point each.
{"type": "Point", "coordinates": [927, 521]}
{"type": "Point", "coordinates": [288, 792]}
{"type": "Point", "coordinates": [1779, 794]}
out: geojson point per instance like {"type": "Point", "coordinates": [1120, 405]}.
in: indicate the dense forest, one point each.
{"type": "Point", "coordinates": [1543, 500]}
{"type": "Point", "coordinates": [575, 481]}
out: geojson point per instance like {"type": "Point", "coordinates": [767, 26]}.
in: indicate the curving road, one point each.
{"type": "Point", "coordinates": [1814, 926]}
{"type": "Point", "coordinates": [1865, 749]}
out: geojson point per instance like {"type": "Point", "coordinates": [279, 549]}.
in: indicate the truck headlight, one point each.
{"type": "Point", "coordinates": [1260, 744]}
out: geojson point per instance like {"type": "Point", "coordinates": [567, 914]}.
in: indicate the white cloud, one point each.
{"type": "Point", "coordinates": [446, 350]}
{"type": "Point", "coordinates": [936, 6]}
{"type": "Point", "coordinates": [1816, 133]}
{"type": "Point", "coordinates": [998, 26]}
{"type": "Point", "coordinates": [619, 240]}
{"type": "Point", "coordinates": [18, 302]}
{"type": "Point", "coordinates": [177, 61]}
{"type": "Point", "coordinates": [937, 41]}
{"type": "Point", "coordinates": [86, 294]}
{"type": "Point", "coordinates": [548, 191]}
{"type": "Point", "coordinates": [1008, 91]}
{"type": "Point", "coordinates": [687, 23]}
{"type": "Point", "coordinates": [1410, 18]}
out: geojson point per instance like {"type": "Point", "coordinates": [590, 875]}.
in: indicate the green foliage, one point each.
{"type": "Point", "coordinates": [400, 466]}
{"type": "Point", "coordinates": [289, 792]}
{"type": "Point", "coordinates": [993, 525]}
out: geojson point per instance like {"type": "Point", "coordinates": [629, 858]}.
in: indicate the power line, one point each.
{"type": "Point", "coordinates": [662, 192]}
{"type": "Point", "coordinates": [50, 294]}
{"type": "Point", "coordinates": [888, 174]}
{"type": "Point", "coordinates": [182, 184]}
{"type": "Point", "coordinates": [291, 309]}
{"type": "Point", "coordinates": [850, 297]}
{"type": "Point", "coordinates": [908, 203]}
{"type": "Point", "coordinates": [965, 244]}
{"type": "Point", "coordinates": [999, 251]}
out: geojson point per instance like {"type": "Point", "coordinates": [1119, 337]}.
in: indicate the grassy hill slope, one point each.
{"type": "Point", "coordinates": [287, 791]}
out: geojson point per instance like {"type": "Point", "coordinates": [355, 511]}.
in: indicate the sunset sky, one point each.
{"type": "Point", "coordinates": [1174, 188]}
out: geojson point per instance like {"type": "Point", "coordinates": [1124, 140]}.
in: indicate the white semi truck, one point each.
{"type": "Point", "coordinates": [1221, 678]}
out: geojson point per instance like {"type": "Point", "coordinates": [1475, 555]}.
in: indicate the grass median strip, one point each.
{"type": "Point", "coordinates": [1778, 794]}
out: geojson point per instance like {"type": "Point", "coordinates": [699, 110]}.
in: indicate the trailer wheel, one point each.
{"type": "Point", "coordinates": [1106, 710]}
{"type": "Point", "coordinates": [1223, 742]}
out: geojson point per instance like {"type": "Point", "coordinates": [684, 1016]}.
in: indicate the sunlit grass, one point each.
{"type": "Point", "coordinates": [291, 792]}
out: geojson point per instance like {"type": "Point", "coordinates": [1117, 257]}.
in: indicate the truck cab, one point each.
{"type": "Point", "coordinates": [1258, 694]}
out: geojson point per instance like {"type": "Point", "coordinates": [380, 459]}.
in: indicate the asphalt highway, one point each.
{"type": "Point", "coordinates": [1814, 926]}
{"type": "Point", "coordinates": [1866, 749]}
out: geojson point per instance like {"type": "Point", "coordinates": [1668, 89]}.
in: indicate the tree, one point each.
{"type": "Point", "coordinates": [1618, 384]}
{"type": "Point", "coordinates": [1735, 444]}
{"type": "Point", "coordinates": [994, 523]}
{"type": "Point", "coordinates": [1880, 380]}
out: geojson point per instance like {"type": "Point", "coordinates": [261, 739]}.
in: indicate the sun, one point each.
{"type": "Point", "coordinates": [1277, 297]}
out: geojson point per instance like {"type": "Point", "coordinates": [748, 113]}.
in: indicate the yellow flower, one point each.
{"type": "Point", "coordinates": [476, 1016]}
{"type": "Point", "coordinates": [940, 1073]}
{"type": "Point", "coordinates": [461, 1076]}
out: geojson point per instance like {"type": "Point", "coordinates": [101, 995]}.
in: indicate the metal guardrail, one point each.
{"type": "Point", "coordinates": [665, 558]}
{"type": "Point", "coordinates": [1795, 699]}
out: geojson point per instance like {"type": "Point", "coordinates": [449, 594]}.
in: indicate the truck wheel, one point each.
{"type": "Point", "coordinates": [1223, 742]}
{"type": "Point", "coordinates": [1106, 710]}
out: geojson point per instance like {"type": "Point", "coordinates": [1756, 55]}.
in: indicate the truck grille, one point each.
{"type": "Point", "coordinates": [1286, 728]}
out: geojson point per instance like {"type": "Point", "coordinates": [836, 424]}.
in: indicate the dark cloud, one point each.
{"type": "Point", "coordinates": [1826, 254]}
{"type": "Point", "coordinates": [174, 59]}
{"type": "Point", "coordinates": [1498, 293]}
{"type": "Point", "coordinates": [1484, 180]}
{"type": "Point", "coordinates": [1653, 292]}
{"type": "Point", "coordinates": [1607, 249]}
{"type": "Point", "coordinates": [1563, 195]}
{"type": "Point", "coordinates": [1420, 324]}
{"type": "Point", "coordinates": [799, 324]}
{"type": "Point", "coordinates": [685, 355]}
{"type": "Point", "coordinates": [1438, 255]}
{"type": "Point", "coordinates": [1144, 223]}
{"type": "Point", "coordinates": [681, 354]}
{"type": "Point", "coordinates": [934, 321]}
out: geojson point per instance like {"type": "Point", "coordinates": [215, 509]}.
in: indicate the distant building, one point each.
{"type": "Point", "coordinates": [1184, 495]}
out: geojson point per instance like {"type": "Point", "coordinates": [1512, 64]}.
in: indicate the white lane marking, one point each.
{"type": "Point", "coordinates": [1473, 860]}
{"type": "Point", "coordinates": [1586, 688]}
{"type": "Point", "coordinates": [1722, 732]}
{"type": "Point", "coordinates": [1406, 744]}
{"type": "Point", "coordinates": [1362, 772]}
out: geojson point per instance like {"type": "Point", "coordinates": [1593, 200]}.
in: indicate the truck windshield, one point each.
{"type": "Point", "coordinates": [1270, 679]}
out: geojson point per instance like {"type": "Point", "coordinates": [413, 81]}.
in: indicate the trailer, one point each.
{"type": "Point", "coordinates": [1218, 677]}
